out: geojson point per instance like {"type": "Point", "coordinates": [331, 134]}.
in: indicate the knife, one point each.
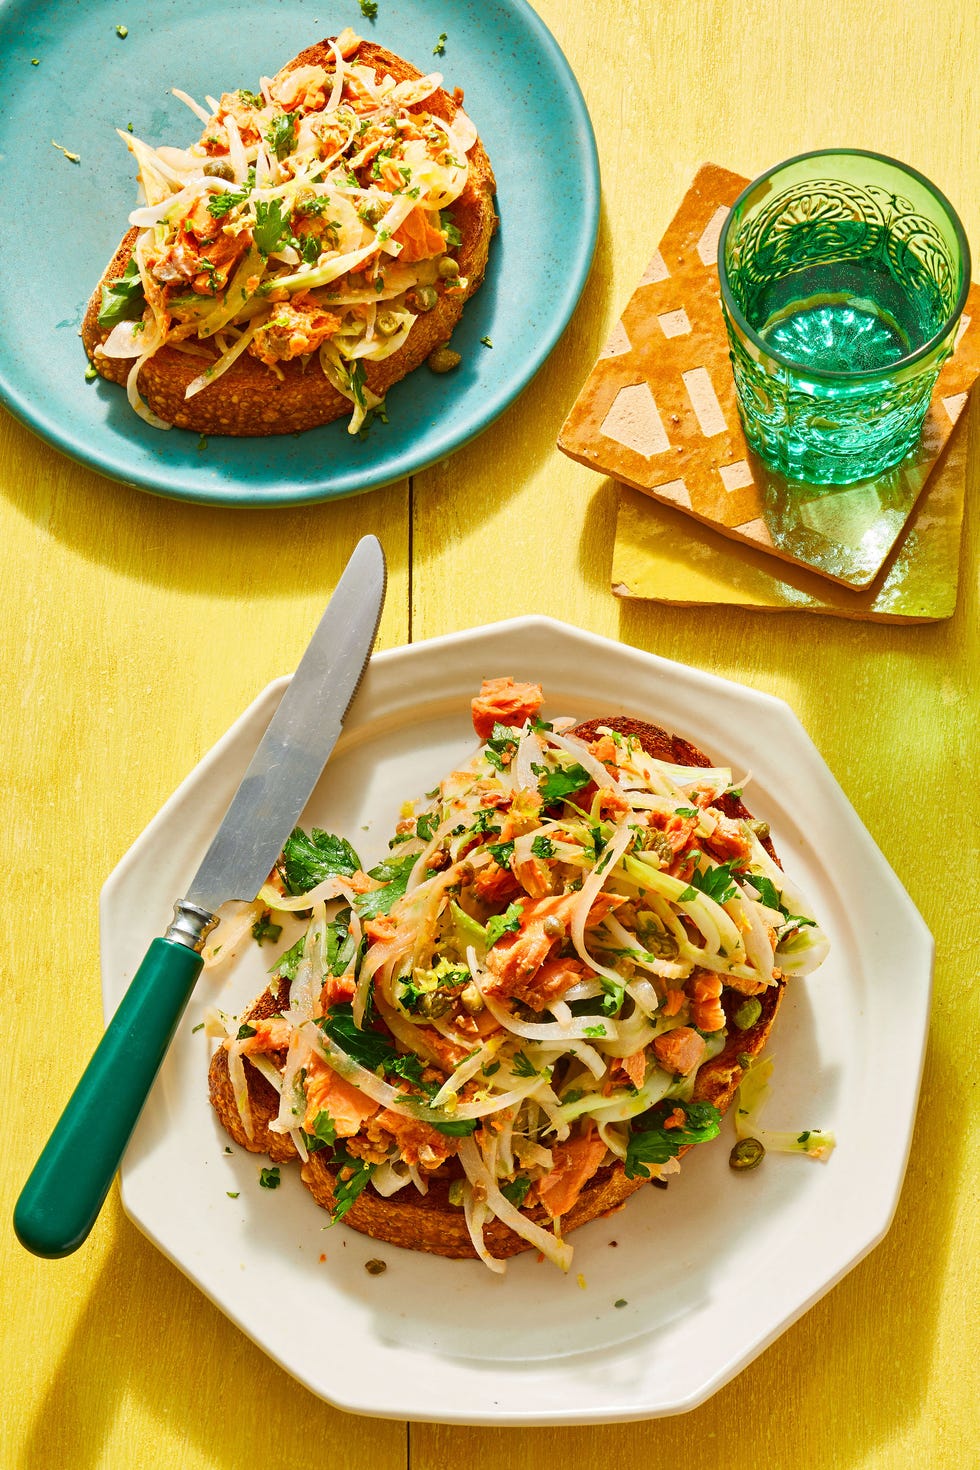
{"type": "Point", "coordinates": [62, 1197]}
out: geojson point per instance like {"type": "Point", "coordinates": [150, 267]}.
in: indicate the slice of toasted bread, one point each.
{"type": "Point", "coordinates": [429, 1222]}
{"type": "Point", "coordinates": [249, 399]}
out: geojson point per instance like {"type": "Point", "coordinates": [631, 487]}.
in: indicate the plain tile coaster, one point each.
{"type": "Point", "coordinates": [658, 412]}
{"type": "Point", "coordinates": [659, 556]}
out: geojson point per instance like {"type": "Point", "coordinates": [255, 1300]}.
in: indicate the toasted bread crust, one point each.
{"type": "Point", "coordinates": [428, 1222]}
{"type": "Point", "coordinates": [249, 400]}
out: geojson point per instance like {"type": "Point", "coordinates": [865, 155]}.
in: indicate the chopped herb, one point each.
{"type": "Point", "coordinates": [523, 1066]}
{"type": "Point", "coordinates": [352, 1177]}
{"type": "Point", "coordinates": [506, 923]}
{"type": "Point", "coordinates": [91, 373]}
{"type": "Point", "coordinates": [501, 747]}
{"type": "Point", "coordinates": [542, 847]}
{"type": "Point", "coordinates": [614, 993]}
{"type": "Point", "coordinates": [307, 859]}
{"type": "Point", "coordinates": [198, 1027]}
{"type": "Point", "coordinates": [122, 32]}
{"type": "Point", "coordinates": [426, 826]}
{"type": "Point", "coordinates": [370, 1049]}
{"type": "Point", "coordinates": [652, 1143]}
{"type": "Point", "coordinates": [595, 1030]}
{"type": "Point", "coordinates": [393, 873]}
{"type": "Point", "coordinates": [281, 135]}
{"type": "Point", "coordinates": [264, 929]}
{"type": "Point", "coordinates": [686, 811]}
{"type": "Point", "coordinates": [245, 1031]}
{"type": "Point", "coordinates": [369, 9]}
{"type": "Point", "coordinates": [324, 1133]}
{"type": "Point", "coordinates": [455, 1127]}
{"type": "Point", "coordinates": [271, 228]}
{"type": "Point", "coordinates": [288, 962]}
{"type": "Point", "coordinates": [621, 1302]}
{"type": "Point", "coordinates": [448, 228]}
{"type": "Point", "coordinates": [715, 883]}
{"type": "Point", "coordinates": [123, 299]}
{"type": "Point", "coordinates": [767, 891]}
{"type": "Point", "coordinates": [269, 1178]}
{"type": "Point", "coordinates": [487, 341]}
{"type": "Point", "coordinates": [501, 852]}
{"type": "Point", "coordinates": [250, 99]}
{"type": "Point", "coordinates": [439, 49]}
{"type": "Point", "coordinates": [232, 1193]}
{"type": "Point", "coordinates": [555, 784]}
{"type": "Point", "coordinates": [515, 1190]}
{"type": "Point", "coordinates": [202, 443]}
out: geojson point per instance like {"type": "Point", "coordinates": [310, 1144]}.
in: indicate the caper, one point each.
{"type": "Point", "coordinates": [217, 168]}
{"type": "Point", "coordinates": [434, 1005]}
{"type": "Point", "coordinates": [423, 298]}
{"type": "Point", "coordinates": [748, 1013]}
{"type": "Point", "coordinates": [387, 323]}
{"type": "Point", "coordinates": [761, 829]}
{"type": "Point", "coordinates": [374, 1267]}
{"type": "Point", "coordinates": [471, 999]}
{"type": "Point", "coordinates": [443, 360]}
{"type": "Point", "coordinates": [553, 927]}
{"type": "Point", "coordinates": [748, 1153]}
{"type": "Point", "coordinates": [448, 268]}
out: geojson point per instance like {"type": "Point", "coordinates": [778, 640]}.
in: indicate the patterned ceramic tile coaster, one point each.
{"type": "Point", "coordinates": [658, 412]}
{"type": "Point", "coordinates": [659, 556]}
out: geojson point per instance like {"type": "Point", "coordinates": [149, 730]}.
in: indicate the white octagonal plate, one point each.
{"type": "Point", "coordinates": [670, 1298]}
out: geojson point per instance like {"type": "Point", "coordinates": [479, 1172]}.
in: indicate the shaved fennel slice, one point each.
{"type": "Point", "coordinates": [752, 1093]}
{"type": "Point", "coordinates": [221, 364]}
{"type": "Point", "coordinates": [478, 1174]}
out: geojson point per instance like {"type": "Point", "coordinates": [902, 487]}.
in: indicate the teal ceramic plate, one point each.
{"type": "Point", "coordinates": [61, 222]}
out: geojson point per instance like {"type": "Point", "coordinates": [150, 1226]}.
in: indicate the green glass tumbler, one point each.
{"type": "Point", "coordinates": [843, 278]}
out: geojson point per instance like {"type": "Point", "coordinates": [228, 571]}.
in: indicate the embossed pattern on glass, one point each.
{"type": "Point", "coordinates": [843, 277]}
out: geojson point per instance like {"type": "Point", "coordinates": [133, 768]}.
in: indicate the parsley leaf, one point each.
{"type": "Point", "coordinates": [555, 785]}
{"type": "Point", "coordinates": [324, 1133]}
{"type": "Point", "coordinates": [269, 1178]}
{"type": "Point", "coordinates": [767, 891]}
{"type": "Point", "coordinates": [394, 874]}
{"type": "Point", "coordinates": [506, 923]}
{"type": "Point", "coordinates": [502, 852]}
{"type": "Point", "coordinates": [515, 1190]}
{"type": "Point", "coordinates": [542, 847]}
{"type": "Point", "coordinates": [307, 859]}
{"type": "Point", "coordinates": [656, 1144]}
{"type": "Point", "coordinates": [271, 227]}
{"type": "Point", "coordinates": [501, 747]}
{"type": "Point", "coordinates": [123, 299]}
{"type": "Point", "coordinates": [452, 234]}
{"type": "Point", "coordinates": [715, 883]}
{"type": "Point", "coordinates": [370, 1049]}
{"type": "Point", "coordinates": [358, 1172]}
{"type": "Point", "coordinates": [456, 1127]}
{"type": "Point", "coordinates": [281, 135]}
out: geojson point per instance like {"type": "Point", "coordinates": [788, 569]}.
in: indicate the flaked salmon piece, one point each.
{"type": "Point", "coordinates": [516, 958]}
{"type": "Point", "coordinates": [501, 701]}
{"type": "Point", "coordinates": [271, 1034]}
{"type": "Point", "coordinates": [417, 236]}
{"type": "Point", "coordinates": [336, 988]}
{"type": "Point", "coordinates": [705, 987]}
{"type": "Point", "coordinates": [680, 1051]}
{"type": "Point", "coordinates": [328, 1092]}
{"type": "Point", "coordinates": [418, 1143]}
{"type": "Point", "coordinates": [634, 1066]}
{"type": "Point", "coordinates": [496, 885]}
{"type": "Point", "coordinates": [449, 1053]}
{"type": "Point", "coordinates": [575, 1162]}
{"type": "Point", "coordinates": [728, 840]}
{"type": "Point", "coordinates": [551, 981]}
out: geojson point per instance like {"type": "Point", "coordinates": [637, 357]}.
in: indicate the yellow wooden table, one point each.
{"type": "Point", "coordinates": [110, 1357]}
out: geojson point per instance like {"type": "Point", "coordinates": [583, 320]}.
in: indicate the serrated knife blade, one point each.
{"type": "Point", "coordinates": [66, 1189]}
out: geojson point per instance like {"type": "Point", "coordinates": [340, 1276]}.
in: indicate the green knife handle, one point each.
{"type": "Point", "coordinates": [60, 1201]}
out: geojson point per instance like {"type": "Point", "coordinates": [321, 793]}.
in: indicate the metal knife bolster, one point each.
{"type": "Point", "coordinates": [190, 925]}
